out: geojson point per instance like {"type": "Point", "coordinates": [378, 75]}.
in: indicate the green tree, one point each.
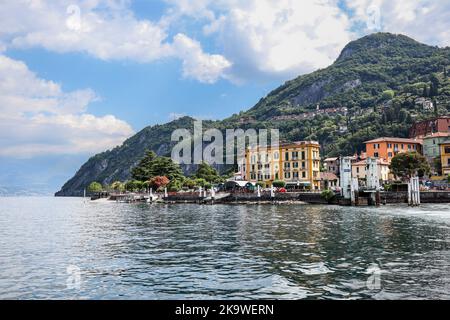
{"type": "Point", "coordinates": [279, 184]}
{"type": "Point", "coordinates": [163, 166]}
{"type": "Point", "coordinates": [134, 185]}
{"type": "Point", "coordinates": [406, 165]}
{"type": "Point", "coordinates": [118, 186]}
{"type": "Point", "coordinates": [143, 171]}
{"type": "Point", "coordinates": [174, 186]}
{"type": "Point", "coordinates": [207, 172]}
{"type": "Point", "coordinates": [153, 166]}
{"type": "Point", "coordinates": [200, 183]}
{"type": "Point", "coordinates": [189, 183]}
{"type": "Point", "coordinates": [388, 95]}
{"type": "Point", "coordinates": [435, 82]}
{"type": "Point", "coordinates": [95, 187]}
{"type": "Point", "coordinates": [328, 195]}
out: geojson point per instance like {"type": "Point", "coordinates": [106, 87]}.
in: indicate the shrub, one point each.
{"type": "Point", "coordinates": [328, 195]}
{"type": "Point", "coordinates": [279, 184]}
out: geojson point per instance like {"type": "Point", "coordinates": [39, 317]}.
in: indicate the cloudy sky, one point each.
{"type": "Point", "coordinates": [78, 77]}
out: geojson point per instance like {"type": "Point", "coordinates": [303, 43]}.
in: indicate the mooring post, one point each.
{"type": "Point", "coordinates": [414, 192]}
{"type": "Point", "coordinates": [354, 190]}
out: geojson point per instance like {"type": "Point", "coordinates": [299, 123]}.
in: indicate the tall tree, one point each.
{"type": "Point", "coordinates": [205, 171]}
{"type": "Point", "coordinates": [434, 89]}
{"type": "Point", "coordinates": [143, 171]}
{"type": "Point", "coordinates": [406, 165]}
{"type": "Point", "coordinates": [95, 187]}
{"type": "Point", "coordinates": [163, 166]}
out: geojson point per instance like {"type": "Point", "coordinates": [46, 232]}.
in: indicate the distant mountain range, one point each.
{"type": "Point", "coordinates": [23, 191]}
{"type": "Point", "coordinates": [379, 86]}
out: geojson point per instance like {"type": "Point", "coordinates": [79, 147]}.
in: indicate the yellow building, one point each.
{"type": "Point", "coordinates": [262, 164]}
{"type": "Point", "coordinates": [298, 164]}
{"type": "Point", "coordinates": [445, 158]}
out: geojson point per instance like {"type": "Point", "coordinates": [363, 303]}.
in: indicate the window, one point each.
{"type": "Point", "coordinates": [390, 154]}
{"type": "Point", "coordinates": [303, 164]}
{"type": "Point", "coordinates": [295, 164]}
{"type": "Point", "coordinates": [294, 155]}
{"type": "Point", "coordinates": [276, 156]}
{"type": "Point", "coordinates": [303, 155]}
{"type": "Point", "coordinates": [447, 150]}
{"type": "Point", "coordinates": [287, 165]}
{"type": "Point", "coordinates": [286, 156]}
{"type": "Point", "coordinates": [295, 175]}
{"type": "Point", "coordinates": [357, 169]}
{"type": "Point", "coordinates": [409, 147]}
{"type": "Point", "coordinates": [376, 155]}
{"type": "Point", "coordinates": [403, 146]}
{"type": "Point", "coordinates": [287, 175]}
{"type": "Point", "coordinates": [303, 174]}
{"type": "Point", "coordinates": [390, 145]}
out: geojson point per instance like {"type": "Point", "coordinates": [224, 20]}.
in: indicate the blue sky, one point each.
{"type": "Point", "coordinates": [74, 69]}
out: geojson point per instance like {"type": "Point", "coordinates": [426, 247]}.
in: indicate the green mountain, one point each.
{"type": "Point", "coordinates": [379, 86]}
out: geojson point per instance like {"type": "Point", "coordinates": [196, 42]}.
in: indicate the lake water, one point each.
{"type": "Point", "coordinates": [55, 248]}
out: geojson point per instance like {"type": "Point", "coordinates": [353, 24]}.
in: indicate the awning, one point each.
{"type": "Point", "coordinates": [298, 183]}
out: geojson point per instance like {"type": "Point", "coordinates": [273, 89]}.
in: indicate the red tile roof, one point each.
{"type": "Point", "coordinates": [399, 140]}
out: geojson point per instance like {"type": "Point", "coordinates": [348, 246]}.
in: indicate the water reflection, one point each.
{"type": "Point", "coordinates": [240, 252]}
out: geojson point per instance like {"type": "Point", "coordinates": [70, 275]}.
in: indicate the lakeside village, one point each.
{"type": "Point", "coordinates": [410, 170]}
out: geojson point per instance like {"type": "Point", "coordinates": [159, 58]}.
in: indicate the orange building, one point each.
{"type": "Point", "coordinates": [387, 148]}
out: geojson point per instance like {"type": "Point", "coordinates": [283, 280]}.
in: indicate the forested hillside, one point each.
{"type": "Point", "coordinates": [378, 86]}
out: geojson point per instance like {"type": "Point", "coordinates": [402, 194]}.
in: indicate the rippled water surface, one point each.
{"type": "Point", "coordinates": [127, 251]}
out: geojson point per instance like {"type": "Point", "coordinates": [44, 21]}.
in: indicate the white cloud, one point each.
{"type": "Point", "coordinates": [267, 38]}
{"type": "Point", "coordinates": [38, 118]}
{"type": "Point", "coordinates": [283, 38]}
{"type": "Point", "coordinates": [196, 64]}
{"type": "Point", "coordinates": [105, 29]}
{"type": "Point", "coordinates": [256, 39]}
{"type": "Point", "coordinates": [426, 21]}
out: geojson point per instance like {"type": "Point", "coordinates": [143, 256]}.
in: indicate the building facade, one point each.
{"type": "Point", "coordinates": [298, 164]}
{"type": "Point", "coordinates": [421, 129]}
{"type": "Point", "coordinates": [301, 164]}
{"type": "Point", "coordinates": [262, 164]}
{"type": "Point", "coordinates": [445, 158]}
{"type": "Point", "coordinates": [432, 148]}
{"type": "Point", "coordinates": [331, 165]}
{"type": "Point", "coordinates": [359, 170]}
{"type": "Point", "coordinates": [387, 148]}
